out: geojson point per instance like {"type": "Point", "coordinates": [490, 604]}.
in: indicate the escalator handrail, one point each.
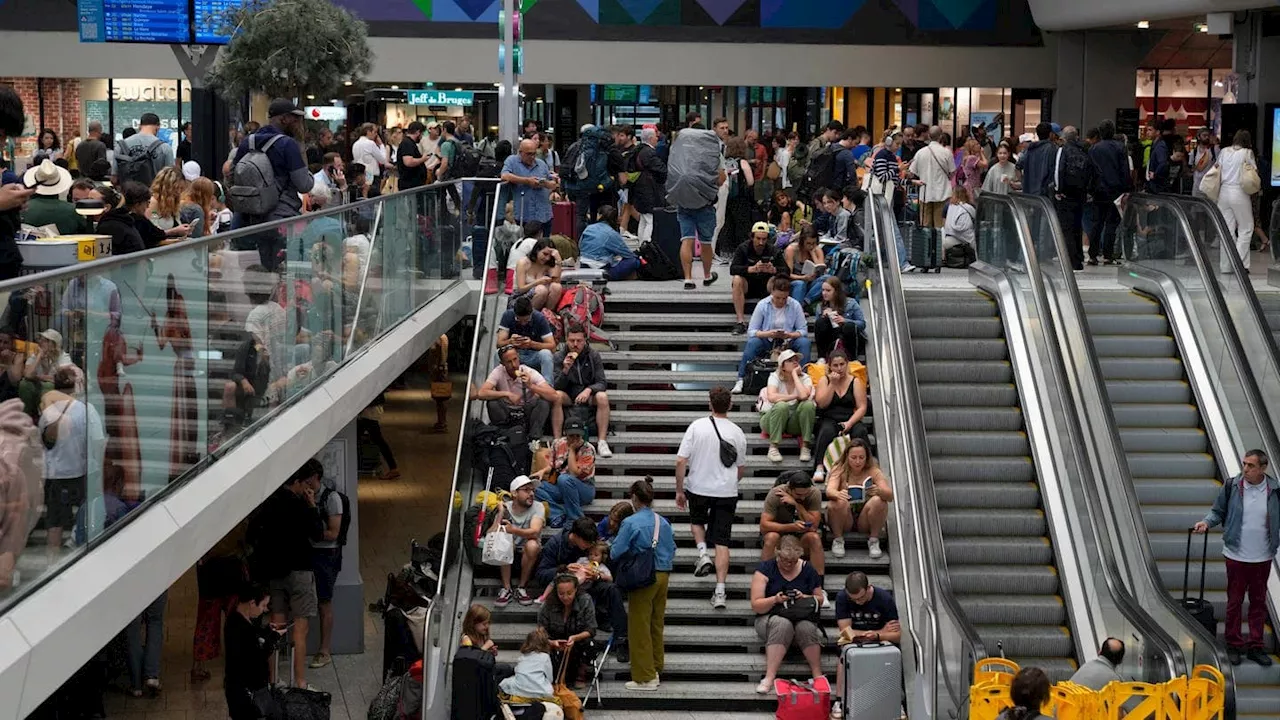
{"type": "Point", "coordinates": [1112, 448]}
{"type": "Point", "coordinates": [460, 462]}
{"type": "Point", "coordinates": [1084, 447]}
{"type": "Point", "coordinates": [210, 242]}
{"type": "Point", "coordinates": [920, 475]}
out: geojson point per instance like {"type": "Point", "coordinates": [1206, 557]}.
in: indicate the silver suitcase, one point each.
{"type": "Point", "coordinates": [872, 681]}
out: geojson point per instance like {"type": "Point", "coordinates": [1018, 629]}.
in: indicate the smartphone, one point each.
{"type": "Point", "coordinates": [807, 524]}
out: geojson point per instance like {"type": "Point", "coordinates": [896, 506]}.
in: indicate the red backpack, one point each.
{"type": "Point", "coordinates": [584, 307]}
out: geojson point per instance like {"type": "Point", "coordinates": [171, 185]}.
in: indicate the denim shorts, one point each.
{"type": "Point", "coordinates": [700, 223]}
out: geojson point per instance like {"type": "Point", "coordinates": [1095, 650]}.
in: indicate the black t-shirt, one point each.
{"type": "Point", "coordinates": [410, 177]}
{"type": "Point", "coordinates": [871, 616]}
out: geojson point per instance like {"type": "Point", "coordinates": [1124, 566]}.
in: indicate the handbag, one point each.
{"type": "Point", "coordinates": [773, 171]}
{"type": "Point", "coordinates": [728, 453]}
{"type": "Point", "coordinates": [797, 609]}
{"type": "Point", "coordinates": [757, 377]}
{"type": "Point", "coordinates": [499, 547]}
{"type": "Point", "coordinates": [1250, 181]}
{"type": "Point", "coordinates": [1211, 183]}
{"type": "Point", "coordinates": [565, 696]}
{"type": "Point", "coordinates": [803, 700]}
{"type": "Point", "coordinates": [441, 390]}
{"type": "Point", "coordinates": [636, 571]}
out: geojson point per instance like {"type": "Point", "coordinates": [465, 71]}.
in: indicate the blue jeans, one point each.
{"type": "Point", "coordinates": [144, 655]}
{"type": "Point", "coordinates": [566, 497]}
{"type": "Point", "coordinates": [902, 247]}
{"type": "Point", "coordinates": [759, 346]}
{"type": "Point", "coordinates": [623, 268]}
{"type": "Point", "coordinates": [806, 293]}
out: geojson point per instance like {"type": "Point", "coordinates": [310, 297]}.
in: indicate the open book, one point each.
{"type": "Point", "coordinates": [809, 268]}
{"type": "Point", "coordinates": [858, 493]}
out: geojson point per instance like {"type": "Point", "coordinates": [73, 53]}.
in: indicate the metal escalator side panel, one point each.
{"type": "Point", "coordinates": [944, 643]}
{"type": "Point", "coordinates": [1063, 345]}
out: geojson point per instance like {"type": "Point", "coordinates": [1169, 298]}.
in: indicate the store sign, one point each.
{"type": "Point", "coordinates": [460, 98]}
{"type": "Point", "coordinates": [148, 91]}
{"type": "Point", "coordinates": [325, 112]}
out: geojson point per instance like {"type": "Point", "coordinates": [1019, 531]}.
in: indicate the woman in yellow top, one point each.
{"type": "Point", "coordinates": [857, 472]}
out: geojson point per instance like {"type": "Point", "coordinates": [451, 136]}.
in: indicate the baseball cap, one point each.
{"type": "Point", "coordinates": [520, 481]}
{"type": "Point", "coordinates": [53, 335]}
{"type": "Point", "coordinates": [1027, 137]}
{"type": "Point", "coordinates": [190, 170]}
{"type": "Point", "coordinates": [433, 125]}
{"type": "Point", "coordinates": [282, 106]}
{"type": "Point", "coordinates": [575, 427]}
{"type": "Point", "coordinates": [1056, 128]}
{"type": "Point", "coordinates": [760, 227]}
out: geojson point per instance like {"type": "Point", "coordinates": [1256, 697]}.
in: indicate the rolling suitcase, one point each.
{"type": "Point", "coordinates": [666, 233]}
{"type": "Point", "coordinates": [564, 215]}
{"type": "Point", "coordinates": [1198, 608]}
{"type": "Point", "coordinates": [924, 246]}
{"type": "Point", "coordinates": [872, 681]}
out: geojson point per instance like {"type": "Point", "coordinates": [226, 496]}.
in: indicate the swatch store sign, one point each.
{"type": "Point", "coordinates": [129, 101]}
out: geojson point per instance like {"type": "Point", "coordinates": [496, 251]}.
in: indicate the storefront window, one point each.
{"type": "Point", "coordinates": [988, 110]}
{"type": "Point", "coordinates": [946, 109]}
{"type": "Point", "coordinates": [121, 103]}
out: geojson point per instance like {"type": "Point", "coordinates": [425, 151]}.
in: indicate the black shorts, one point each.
{"type": "Point", "coordinates": [326, 564]}
{"type": "Point", "coordinates": [62, 497]}
{"type": "Point", "coordinates": [716, 514]}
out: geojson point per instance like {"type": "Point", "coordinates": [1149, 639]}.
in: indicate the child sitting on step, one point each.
{"type": "Point", "coordinates": [587, 569]}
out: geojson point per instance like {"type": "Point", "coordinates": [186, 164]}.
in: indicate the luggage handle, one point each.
{"type": "Point", "coordinates": [1186, 564]}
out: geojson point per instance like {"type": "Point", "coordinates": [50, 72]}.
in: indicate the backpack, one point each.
{"type": "Point", "coordinates": [959, 256]}
{"type": "Point", "coordinates": [654, 264]}
{"type": "Point", "coordinates": [137, 162]}
{"type": "Point", "coordinates": [1073, 172]}
{"type": "Point", "coordinates": [556, 323]}
{"type": "Point", "coordinates": [584, 307]}
{"type": "Point", "coordinates": [466, 161]}
{"type": "Point", "coordinates": [590, 167]}
{"type": "Point", "coordinates": [820, 173]}
{"type": "Point", "coordinates": [254, 189]}
{"type": "Point", "coordinates": [345, 526]}
{"type": "Point", "coordinates": [845, 264]}
{"type": "Point", "coordinates": [488, 167]}
{"type": "Point", "coordinates": [798, 166]}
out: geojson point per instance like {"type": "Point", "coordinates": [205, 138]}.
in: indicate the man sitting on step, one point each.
{"type": "Point", "coordinates": [754, 263]}
{"type": "Point", "coordinates": [580, 386]}
{"type": "Point", "coordinates": [794, 507]}
{"type": "Point", "coordinates": [529, 331]}
{"type": "Point", "coordinates": [522, 517]}
{"type": "Point", "coordinates": [864, 614]}
{"type": "Point", "coordinates": [564, 549]}
{"type": "Point", "coordinates": [517, 395]}
{"type": "Point", "coordinates": [778, 321]}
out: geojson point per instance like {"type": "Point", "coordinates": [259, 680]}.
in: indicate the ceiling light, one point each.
{"type": "Point", "coordinates": [311, 97]}
{"type": "Point", "coordinates": [1143, 24]}
{"type": "Point", "coordinates": [395, 87]}
{"type": "Point", "coordinates": [457, 89]}
{"type": "Point", "coordinates": [348, 83]}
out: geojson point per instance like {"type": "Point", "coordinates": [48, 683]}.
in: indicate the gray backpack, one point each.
{"type": "Point", "coordinates": [254, 190]}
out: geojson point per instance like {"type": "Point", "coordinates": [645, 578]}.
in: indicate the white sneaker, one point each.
{"type": "Point", "coordinates": [775, 455]}
{"type": "Point", "coordinates": [837, 547]}
{"type": "Point", "coordinates": [718, 599]}
{"type": "Point", "coordinates": [909, 268]}
{"type": "Point", "coordinates": [603, 449]}
{"type": "Point", "coordinates": [704, 566]}
{"type": "Point", "coordinates": [737, 387]}
{"type": "Point", "coordinates": [806, 455]}
{"type": "Point", "coordinates": [643, 686]}
{"type": "Point", "coordinates": [873, 546]}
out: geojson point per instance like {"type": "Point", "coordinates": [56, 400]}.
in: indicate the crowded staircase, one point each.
{"type": "Point", "coordinates": [1171, 461]}
{"type": "Point", "coordinates": [999, 557]}
{"type": "Point", "coordinates": [672, 345]}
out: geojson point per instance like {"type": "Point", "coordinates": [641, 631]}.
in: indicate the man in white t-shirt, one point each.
{"type": "Point", "coordinates": [430, 147]}
{"type": "Point", "coordinates": [712, 497]}
{"type": "Point", "coordinates": [369, 152]}
{"type": "Point", "coordinates": [522, 517]}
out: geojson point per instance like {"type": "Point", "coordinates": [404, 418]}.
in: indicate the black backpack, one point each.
{"type": "Point", "coordinates": [466, 161]}
{"type": "Point", "coordinates": [345, 526]}
{"type": "Point", "coordinates": [654, 263]}
{"type": "Point", "coordinates": [821, 172]}
{"type": "Point", "coordinates": [1073, 172]}
{"type": "Point", "coordinates": [137, 162]}
{"type": "Point", "coordinates": [959, 256]}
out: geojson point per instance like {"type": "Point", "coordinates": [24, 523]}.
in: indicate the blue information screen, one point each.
{"type": "Point", "coordinates": [146, 21]}
{"type": "Point", "coordinates": [209, 20]}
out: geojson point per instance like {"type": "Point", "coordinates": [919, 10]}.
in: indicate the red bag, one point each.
{"type": "Point", "coordinates": [803, 700]}
{"type": "Point", "coordinates": [563, 217]}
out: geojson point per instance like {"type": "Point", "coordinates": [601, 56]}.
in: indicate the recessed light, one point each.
{"type": "Point", "coordinates": [457, 89]}
{"type": "Point", "coordinates": [348, 83]}
{"type": "Point", "coordinates": [395, 87]}
{"type": "Point", "coordinates": [1203, 28]}
{"type": "Point", "coordinates": [1143, 24]}
{"type": "Point", "coordinates": [311, 97]}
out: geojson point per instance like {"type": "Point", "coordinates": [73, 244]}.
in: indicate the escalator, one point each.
{"type": "Point", "coordinates": [999, 554]}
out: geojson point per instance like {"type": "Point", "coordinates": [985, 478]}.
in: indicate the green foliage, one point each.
{"type": "Point", "coordinates": [290, 48]}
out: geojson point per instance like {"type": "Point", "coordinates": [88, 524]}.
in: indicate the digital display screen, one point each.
{"type": "Point", "coordinates": [146, 21]}
{"type": "Point", "coordinates": [1275, 147]}
{"type": "Point", "coordinates": [209, 20]}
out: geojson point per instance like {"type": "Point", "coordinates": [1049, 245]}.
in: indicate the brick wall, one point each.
{"type": "Point", "coordinates": [62, 107]}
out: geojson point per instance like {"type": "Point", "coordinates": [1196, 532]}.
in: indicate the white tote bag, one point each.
{"type": "Point", "coordinates": [499, 548]}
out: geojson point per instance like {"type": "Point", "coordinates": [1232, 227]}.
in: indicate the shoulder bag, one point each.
{"type": "Point", "coordinates": [805, 608]}
{"type": "Point", "coordinates": [1211, 183]}
{"type": "Point", "coordinates": [728, 453]}
{"type": "Point", "coordinates": [637, 571]}
{"type": "Point", "coordinates": [1250, 181]}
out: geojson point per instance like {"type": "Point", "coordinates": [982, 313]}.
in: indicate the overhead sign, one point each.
{"type": "Point", "coordinates": [325, 112]}
{"type": "Point", "coordinates": [209, 20]}
{"type": "Point", "coordinates": [460, 98]}
{"type": "Point", "coordinates": [139, 21]}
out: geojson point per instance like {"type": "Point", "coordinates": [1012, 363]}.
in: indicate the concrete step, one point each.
{"type": "Point", "coordinates": [745, 419]}
{"type": "Point", "coordinates": [624, 321]}
{"type": "Point", "coordinates": [627, 378]}
{"type": "Point", "coordinates": [617, 487]}
{"type": "Point", "coordinates": [714, 337]}
{"type": "Point", "coordinates": [684, 584]}
{"type": "Point", "coordinates": [620, 399]}
{"type": "Point", "coordinates": [665, 463]}
{"type": "Point", "coordinates": [679, 611]}
{"type": "Point", "coordinates": [618, 358]}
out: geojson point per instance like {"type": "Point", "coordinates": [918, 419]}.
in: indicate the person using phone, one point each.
{"type": "Point", "coordinates": [780, 583]}
{"type": "Point", "coordinates": [793, 508]}
{"type": "Point", "coordinates": [249, 646]}
{"type": "Point", "coordinates": [857, 468]}
{"type": "Point", "coordinates": [754, 265]}
{"type": "Point", "coordinates": [778, 320]}
{"type": "Point", "coordinates": [527, 329]}
{"type": "Point", "coordinates": [864, 614]}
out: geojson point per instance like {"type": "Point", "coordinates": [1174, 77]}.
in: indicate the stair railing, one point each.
{"type": "Point", "coordinates": [946, 651]}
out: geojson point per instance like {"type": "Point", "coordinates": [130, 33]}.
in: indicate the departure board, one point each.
{"type": "Point", "coordinates": [210, 18]}
{"type": "Point", "coordinates": [147, 21]}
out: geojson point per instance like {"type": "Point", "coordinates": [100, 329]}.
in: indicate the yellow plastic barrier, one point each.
{"type": "Point", "coordinates": [1198, 697]}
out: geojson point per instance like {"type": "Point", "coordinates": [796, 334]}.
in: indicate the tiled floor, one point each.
{"type": "Point", "coordinates": [392, 513]}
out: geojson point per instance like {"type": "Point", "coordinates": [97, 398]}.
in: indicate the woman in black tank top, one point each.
{"type": "Point", "coordinates": [842, 403]}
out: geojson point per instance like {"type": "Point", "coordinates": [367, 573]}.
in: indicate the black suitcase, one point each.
{"type": "Point", "coordinates": [479, 248]}
{"type": "Point", "coordinates": [666, 233]}
{"type": "Point", "coordinates": [924, 246]}
{"type": "Point", "coordinates": [1198, 608]}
